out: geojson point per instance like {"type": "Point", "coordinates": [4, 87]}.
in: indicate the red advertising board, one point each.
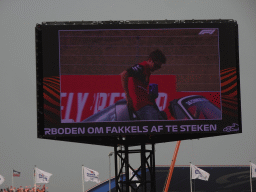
{"type": "Point", "coordinates": [85, 95]}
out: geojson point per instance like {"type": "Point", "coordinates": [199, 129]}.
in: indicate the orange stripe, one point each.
{"type": "Point", "coordinates": [229, 97]}
{"type": "Point", "coordinates": [227, 82]}
{"type": "Point", "coordinates": [48, 98]}
{"type": "Point", "coordinates": [234, 94]}
{"type": "Point", "coordinates": [57, 82]}
{"type": "Point", "coordinates": [54, 88]}
{"type": "Point", "coordinates": [222, 72]}
{"type": "Point", "coordinates": [52, 80]}
{"type": "Point", "coordinates": [50, 91]}
{"type": "Point", "coordinates": [53, 77]}
{"type": "Point", "coordinates": [229, 101]}
{"type": "Point", "coordinates": [228, 89]}
{"type": "Point", "coordinates": [228, 75]}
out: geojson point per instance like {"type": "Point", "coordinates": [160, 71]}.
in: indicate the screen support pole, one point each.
{"type": "Point", "coordinates": [145, 174]}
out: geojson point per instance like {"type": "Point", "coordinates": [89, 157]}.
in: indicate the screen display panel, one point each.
{"type": "Point", "coordinates": [163, 81]}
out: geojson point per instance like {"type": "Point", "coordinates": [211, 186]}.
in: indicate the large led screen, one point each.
{"type": "Point", "coordinates": [175, 80]}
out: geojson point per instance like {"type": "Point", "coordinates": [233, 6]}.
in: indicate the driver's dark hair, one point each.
{"type": "Point", "coordinates": [157, 55]}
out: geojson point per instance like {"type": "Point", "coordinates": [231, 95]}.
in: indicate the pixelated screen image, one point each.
{"type": "Point", "coordinates": [184, 79]}
{"type": "Point", "coordinates": [91, 62]}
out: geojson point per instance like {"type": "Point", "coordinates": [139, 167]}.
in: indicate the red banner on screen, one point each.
{"type": "Point", "coordinates": [85, 95]}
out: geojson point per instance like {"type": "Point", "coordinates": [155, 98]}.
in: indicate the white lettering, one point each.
{"type": "Point", "coordinates": [62, 95]}
{"type": "Point", "coordinates": [100, 102]}
{"type": "Point", "coordinates": [213, 127]}
{"type": "Point", "coordinates": [154, 129]}
{"type": "Point", "coordinates": [108, 129]}
{"type": "Point", "coordinates": [160, 128]}
{"type": "Point", "coordinates": [47, 131]}
{"type": "Point", "coordinates": [68, 108]}
{"type": "Point", "coordinates": [99, 130]}
{"type": "Point", "coordinates": [81, 130]}
{"type": "Point", "coordinates": [81, 100]}
{"type": "Point", "coordinates": [203, 127]}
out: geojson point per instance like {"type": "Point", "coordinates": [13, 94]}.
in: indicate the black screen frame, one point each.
{"type": "Point", "coordinates": [47, 65]}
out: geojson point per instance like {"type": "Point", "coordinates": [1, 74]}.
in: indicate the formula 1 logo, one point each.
{"type": "Point", "coordinates": [206, 31]}
{"type": "Point", "coordinates": [234, 127]}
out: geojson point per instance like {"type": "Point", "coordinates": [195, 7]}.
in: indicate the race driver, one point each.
{"type": "Point", "coordinates": [135, 82]}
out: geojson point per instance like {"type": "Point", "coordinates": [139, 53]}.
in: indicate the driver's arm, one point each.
{"type": "Point", "coordinates": [135, 71]}
{"type": "Point", "coordinates": [124, 80]}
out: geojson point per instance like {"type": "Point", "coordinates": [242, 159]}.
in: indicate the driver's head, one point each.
{"type": "Point", "coordinates": [156, 59]}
